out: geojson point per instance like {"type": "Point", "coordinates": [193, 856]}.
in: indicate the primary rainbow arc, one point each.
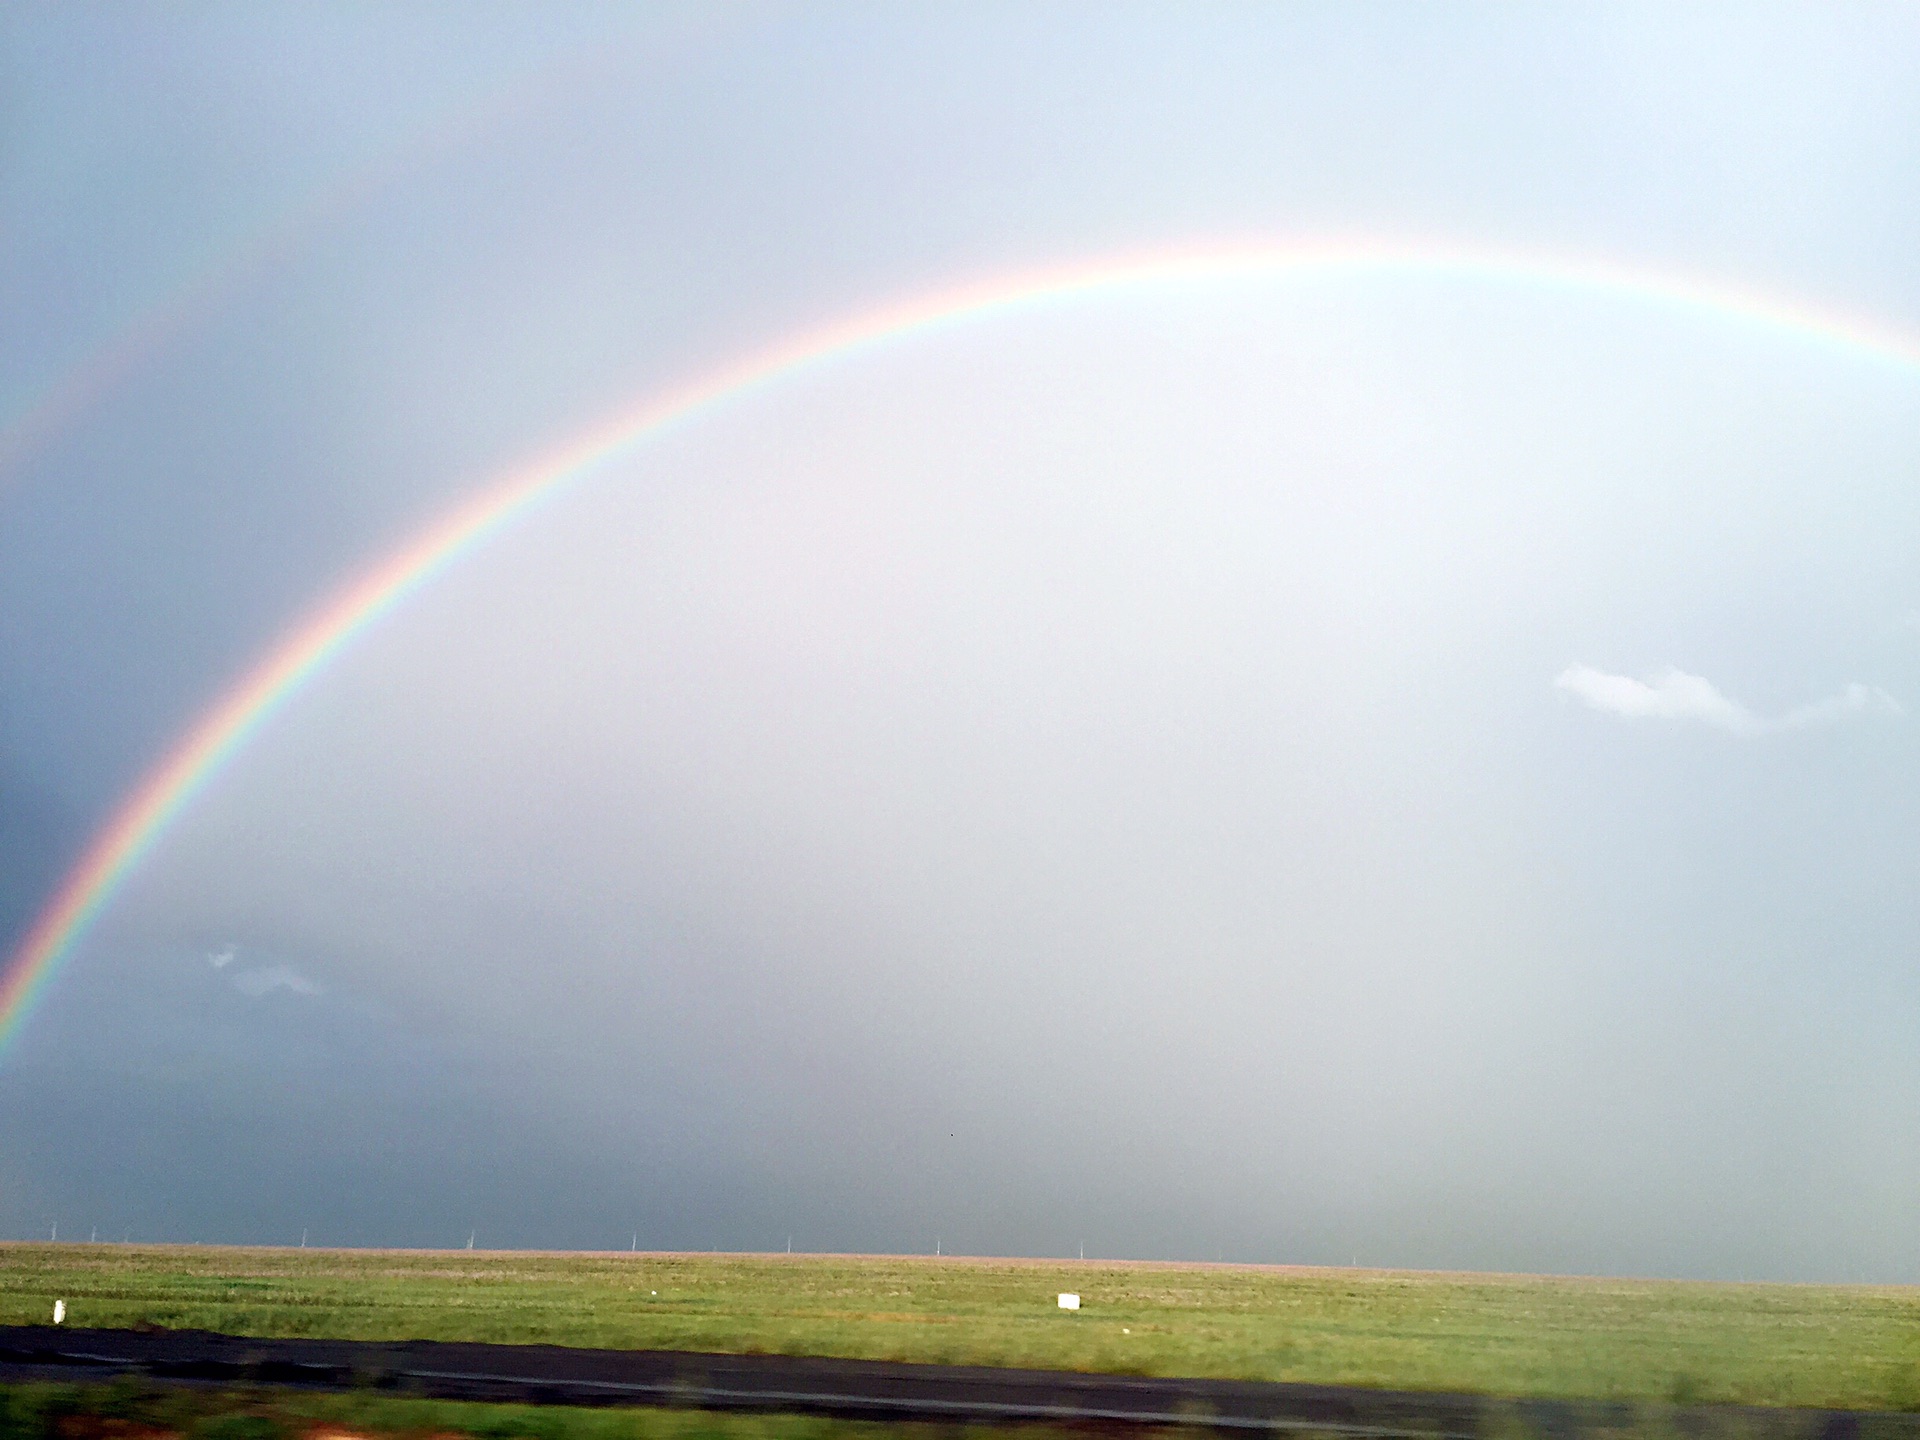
{"type": "Point", "coordinates": [143, 817]}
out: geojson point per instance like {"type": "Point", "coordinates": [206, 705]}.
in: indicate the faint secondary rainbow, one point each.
{"type": "Point", "coordinates": [146, 335]}
{"type": "Point", "coordinates": [145, 814]}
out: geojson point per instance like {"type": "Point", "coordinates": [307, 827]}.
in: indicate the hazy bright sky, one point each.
{"type": "Point", "coordinates": [1412, 768]}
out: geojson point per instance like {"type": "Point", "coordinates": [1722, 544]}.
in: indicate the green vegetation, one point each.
{"type": "Point", "coordinates": [1524, 1336]}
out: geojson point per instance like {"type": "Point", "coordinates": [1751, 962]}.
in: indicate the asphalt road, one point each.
{"type": "Point", "coordinates": [858, 1389]}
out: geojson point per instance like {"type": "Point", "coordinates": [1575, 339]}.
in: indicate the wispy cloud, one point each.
{"type": "Point", "coordinates": [1675, 695]}
{"type": "Point", "coordinates": [1856, 699]}
{"type": "Point", "coordinates": [222, 958]}
{"type": "Point", "coordinates": [267, 979]}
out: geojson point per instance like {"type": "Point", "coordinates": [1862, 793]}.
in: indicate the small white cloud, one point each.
{"type": "Point", "coordinates": [1670, 695]}
{"type": "Point", "coordinates": [269, 978]}
{"type": "Point", "coordinates": [219, 959]}
{"type": "Point", "coordinates": [1676, 695]}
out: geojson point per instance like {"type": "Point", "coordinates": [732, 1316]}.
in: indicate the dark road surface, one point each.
{"type": "Point", "coordinates": [856, 1389]}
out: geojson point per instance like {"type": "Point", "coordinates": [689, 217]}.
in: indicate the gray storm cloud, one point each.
{"type": "Point", "coordinates": [883, 818]}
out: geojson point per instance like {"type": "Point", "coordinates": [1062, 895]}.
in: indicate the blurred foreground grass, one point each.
{"type": "Point", "coordinates": [130, 1410]}
{"type": "Point", "coordinates": [1850, 1347]}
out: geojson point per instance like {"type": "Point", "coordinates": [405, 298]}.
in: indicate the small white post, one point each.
{"type": "Point", "coordinates": [1069, 1302]}
{"type": "Point", "coordinates": [59, 1312]}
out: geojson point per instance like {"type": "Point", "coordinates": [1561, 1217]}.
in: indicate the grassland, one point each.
{"type": "Point", "coordinates": [1522, 1336]}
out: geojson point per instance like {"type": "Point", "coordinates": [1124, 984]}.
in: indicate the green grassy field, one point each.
{"type": "Point", "coordinates": [1524, 1336]}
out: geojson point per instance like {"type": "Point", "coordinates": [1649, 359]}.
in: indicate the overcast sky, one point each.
{"type": "Point", "coordinates": [1408, 768]}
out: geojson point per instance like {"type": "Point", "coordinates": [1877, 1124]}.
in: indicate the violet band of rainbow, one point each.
{"type": "Point", "coordinates": [143, 817]}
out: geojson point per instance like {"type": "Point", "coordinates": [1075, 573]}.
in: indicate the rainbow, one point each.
{"type": "Point", "coordinates": [60, 404]}
{"type": "Point", "coordinates": [144, 816]}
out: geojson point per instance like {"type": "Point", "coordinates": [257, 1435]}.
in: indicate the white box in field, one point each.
{"type": "Point", "coordinates": [1069, 1302]}
{"type": "Point", "coordinates": [59, 1312]}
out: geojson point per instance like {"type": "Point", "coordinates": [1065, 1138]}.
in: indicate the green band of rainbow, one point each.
{"type": "Point", "coordinates": [145, 815]}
